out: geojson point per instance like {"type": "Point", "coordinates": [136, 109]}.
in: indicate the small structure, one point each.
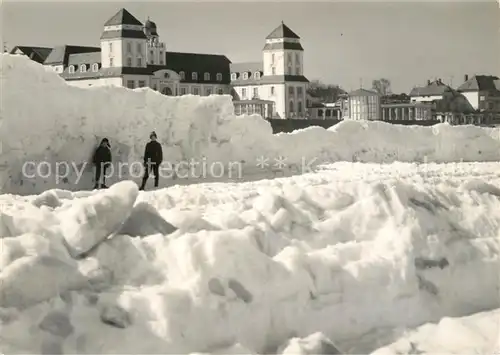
{"type": "Point", "coordinates": [265, 108]}
{"type": "Point", "coordinates": [364, 105]}
{"type": "Point", "coordinates": [406, 111]}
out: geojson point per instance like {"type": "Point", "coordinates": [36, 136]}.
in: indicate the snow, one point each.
{"type": "Point", "coordinates": [402, 258]}
{"type": "Point", "coordinates": [45, 120]}
{"type": "Point", "coordinates": [392, 246]}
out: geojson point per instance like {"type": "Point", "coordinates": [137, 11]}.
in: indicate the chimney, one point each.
{"type": "Point", "coordinates": [428, 82]}
{"type": "Point", "coordinates": [466, 77]}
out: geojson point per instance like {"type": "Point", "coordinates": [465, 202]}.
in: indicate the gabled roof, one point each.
{"type": "Point", "coordinates": [436, 88]}
{"type": "Point", "coordinates": [60, 54]}
{"type": "Point", "coordinates": [480, 83]}
{"type": "Point", "coordinates": [123, 17]}
{"type": "Point", "coordinates": [38, 54]}
{"type": "Point", "coordinates": [363, 92]}
{"type": "Point", "coordinates": [282, 31]}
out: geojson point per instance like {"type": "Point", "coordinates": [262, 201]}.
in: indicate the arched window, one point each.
{"type": "Point", "coordinates": [206, 76]}
{"type": "Point", "coordinates": [220, 91]}
{"type": "Point", "coordinates": [219, 76]}
{"type": "Point", "coordinates": [194, 76]}
{"type": "Point", "coordinates": [182, 75]}
{"type": "Point", "coordinates": [95, 67]}
{"type": "Point", "coordinates": [234, 76]}
{"type": "Point", "coordinates": [299, 107]}
{"type": "Point", "coordinates": [83, 68]}
{"type": "Point", "coordinates": [245, 76]}
{"type": "Point", "coordinates": [291, 107]}
{"type": "Point", "coordinates": [71, 69]}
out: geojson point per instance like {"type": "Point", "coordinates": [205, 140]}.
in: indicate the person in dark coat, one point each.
{"type": "Point", "coordinates": [102, 160]}
{"type": "Point", "coordinates": [153, 157]}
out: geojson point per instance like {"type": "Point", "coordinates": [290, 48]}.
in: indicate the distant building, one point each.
{"type": "Point", "coordinates": [132, 55]}
{"type": "Point", "coordinates": [364, 105]}
{"type": "Point", "coordinates": [38, 54]}
{"type": "Point", "coordinates": [413, 111]}
{"type": "Point", "coordinates": [482, 92]}
{"type": "Point", "coordinates": [433, 91]}
{"type": "Point", "coordinates": [278, 78]}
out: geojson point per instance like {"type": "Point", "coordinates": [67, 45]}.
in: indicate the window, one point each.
{"type": "Point", "coordinates": [220, 91]}
{"type": "Point", "coordinates": [297, 70]}
{"type": "Point", "coordinates": [142, 83]}
{"type": "Point", "coordinates": [161, 60]}
{"type": "Point", "coordinates": [208, 91]}
{"type": "Point", "coordinates": [320, 113]}
{"type": "Point", "coordinates": [291, 91]}
{"type": "Point", "coordinates": [110, 47]}
{"type": "Point", "coordinates": [289, 59]}
{"type": "Point", "coordinates": [299, 107]}
{"type": "Point", "coordinates": [129, 62]}
{"type": "Point", "coordinates": [130, 84]}
{"type": "Point", "coordinates": [234, 76]}
{"type": "Point", "coordinates": [272, 58]}
{"type": "Point", "coordinates": [272, 90]}
{"type": "Point", "coordinates": [196, 91]}
{"type": "Point", "coordinates": [95, 67]}
{"type": "Point", "coordinates": [256, 92]}
{"type": "Point", "coordinates": [256, 75]}
{"type": "Point", "coordinates": [290, 107]}
{"type": "Point", "coordinates": [139, 61]}
{"type": "Point", "coordinates": [243, 93]}
{"type": "Point", "coordinates": [139, 47]}
{"type": "Point", "coordinates": [129, 47]}
{"type": "Point", "coordinates": [83, 68]}
{"type": "Point", "coordinates": [245, 76]}
{"type": "Point", "coordinates": [166, 76]}
{"type": "Point", "coordinates": [297, 58]}
{"type": "Point", "coordinates": [71, 69]}
{"type": "Point", "coordinates": [219, 77]}
{"type": "Point", "coordinates": [182, 75]}
{"type": "Point", "coordinates": [273, 71]}
{"type": "Point", "coordinates": [206, 76]}
{"type": "Point", "coordinates": [289, 71]}
{"type": "Point", "coordinates": [194, 76]}
{"type": "Point", "coordinates": [299, 90]}
{"type": "Point", "coordinates": [183, 91]}
{"type": "Point", "coordinates": [151, 53]}
{"type": "Point", "coordinates": [110, 62]}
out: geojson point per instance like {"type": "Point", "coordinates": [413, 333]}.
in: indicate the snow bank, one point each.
{"type": "Point", "coordinates": [45, 120]}
{"type": "Point", "coordinates": [319, 261]}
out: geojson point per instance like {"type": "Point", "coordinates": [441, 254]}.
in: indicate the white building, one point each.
{"type": "Point", "coordinates": [279, 78]}
{"type": "Point", "coordinates": [432, 92]}
{"type": "Point", "coordinates": [364, 105]}
{"type": "Point", "coordinates": [132, 55]}
{"type": "Point", "coordinates": [482, 92]}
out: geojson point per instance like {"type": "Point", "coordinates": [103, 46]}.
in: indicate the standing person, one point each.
{"type": "Point", "coordinates": [102, 160]}
{"type": "Point", "coordinates": [153, 157]}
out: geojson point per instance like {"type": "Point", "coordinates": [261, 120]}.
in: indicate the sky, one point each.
{"type": "Point", "coordinates": [346, 43]}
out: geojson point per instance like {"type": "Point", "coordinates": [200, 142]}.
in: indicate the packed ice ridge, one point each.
{"type": "Point", "coordinates": [356, 257]}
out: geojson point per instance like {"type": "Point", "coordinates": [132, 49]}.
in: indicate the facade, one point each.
{"type": "Point", "coordinates": [364, 105]}
{"type": "Point", "coordinates": [278, 78]}
{"type": "Point", "coordinates": [406, 111]}
{"type": "Point", "coordinates": [433, 91]}
{"type": "Point", "coordinates": [482, 92]}
{"type": "Point", "coordinates": [132, 55]}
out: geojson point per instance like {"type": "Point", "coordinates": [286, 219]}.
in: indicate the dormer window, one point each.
{"type": "Point", "coordinates": [245, 76]}
{"type": "Point", "coordinates": [234, 76]}
{"type": "Point", "coordinates": [83, 68]}
{"type": "Point", "coordinates": [71, 69]}
{"type": "Point", "coordinates": [95, 67]}
{"type": "Point", "coordinates": [167, 76]}
{"type": "Point", "coordinates": [206, 76]}
{"type": "Point", "coordinates": [182, 75]}
{"type": "Point", "coordinates": [256, 75]}
{"type": "Point", "coordinates": [219, 76]}
{"type": "Point", "coordinates": [194, 76]}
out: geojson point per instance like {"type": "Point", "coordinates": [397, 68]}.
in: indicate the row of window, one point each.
{"type": "Point", "coordinates": [257, 75]}
{"type": "Point", "coordinates": [289, 57]}
{"type": "Point", "coordinates": [291, 90]}
{"type": "Point", "coordinates": [245, 76]}
{"type": "Point", "coordinates": [83, 68]}
{"type": "Point", "coordinates": [291, 107]}
{"type": "Point", "coordinates": [182, 91]}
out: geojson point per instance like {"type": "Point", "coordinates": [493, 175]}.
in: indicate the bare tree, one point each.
{"type": "Point", "coordinates": [323, 92]}
{"type": "Point", "coordinates": [382, 86]}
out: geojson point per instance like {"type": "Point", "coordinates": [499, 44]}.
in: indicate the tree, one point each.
{"type": "Point", "coordinates": [323, 92]}
{"type": "Point", "coordinates": [382, 86]}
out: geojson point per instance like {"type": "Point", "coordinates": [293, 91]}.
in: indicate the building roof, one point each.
{"type": "Point", "coordinates": [60, 54]}
{"type": "Point", "coordinates": [282, 31]}
{"type": "Point", "coordinates": [363, 92]}
{"type": "Point", "coordinates": [38, 54]}
{"type": "Point", "coordinates": [270, 79]}
{"type": "Point", "coordinates": [250, 67]}
{"type": "Point", "coordinates": [123, 17]}
{"type": "Point", "coordinates": [435, 88]}
{"type": "Point", "coordinates": [480, 83]}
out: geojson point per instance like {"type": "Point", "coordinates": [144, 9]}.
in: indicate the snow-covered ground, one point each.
{"type": "Point", "coordinates": [361, 253]}
{"type": "Point", "coordinates": [364, 255]}
{"type": "Point", "coordinates": [45, 122]}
